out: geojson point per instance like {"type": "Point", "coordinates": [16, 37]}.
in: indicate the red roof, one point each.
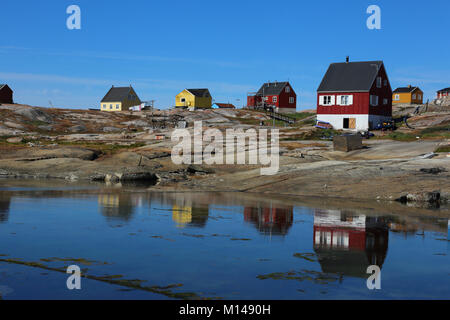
{"type": "Point", "coordinates": [226, 105]}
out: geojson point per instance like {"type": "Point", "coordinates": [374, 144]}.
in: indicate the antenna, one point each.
{"type": "Point", "coordinates": [50, 103]}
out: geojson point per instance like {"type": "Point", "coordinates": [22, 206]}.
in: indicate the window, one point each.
{"type": "Point", "coordinates": [183, 100]}
{"type": "Point", "coordinates": [326, 100]}
{"type": "Point", "coordinates": [346, 100]}
{"type": "Point", "coordinates": [379, 82]}
{"type": "Point", "coordinates": [385, 82]}
{"type": "Point", "coordinates": [288, 89]}
{"type": "Point", "coordinates": [291, 100]}
{"type": "Point", "coordinates": [419, 96]}
{"type": "Point", "coordinates": [104, 106]}
{"type": "Point", "coordinates": [397, 97]}
{"type": "Point", "coordinates": [414, 96]}
{"type": "Point", "coordinates": [373, 100]}
{"type": "Point", "coordinates": [274, 99]}
{"type": "Point", "coordinates": [117, 106]}
{"type": "Point", "coordinates": [385, 101]}
{"type": "Point", "coordinates": [110, 106]}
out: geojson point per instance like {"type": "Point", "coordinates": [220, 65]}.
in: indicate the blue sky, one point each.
{"type": "Point", "coordinates": [230, 47]}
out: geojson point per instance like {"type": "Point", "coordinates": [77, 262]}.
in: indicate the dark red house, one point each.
{"type": "Point", "coordinates": [355, 95]}
{"type": "Point", "coordinates": [6, 94]}
{"type": "Point", "coordinates": [277, 95]}
{"type": "Point", "coordinates": [443, 93]}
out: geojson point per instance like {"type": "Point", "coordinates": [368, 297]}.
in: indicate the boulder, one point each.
{"type": "Point", "coordinates": [34, 114]}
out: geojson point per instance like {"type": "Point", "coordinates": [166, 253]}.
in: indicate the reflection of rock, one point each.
{"type": "Point", "coordinates": [116, 206]}
{"type": "Point", "coordinates": [347, 243]}
{"type": "Point", "coordinates": [4, 208]}
{"type": "Point", "coordinates": [273, 221]}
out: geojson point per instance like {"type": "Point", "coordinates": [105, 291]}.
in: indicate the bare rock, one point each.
{"type": "Point", "coordinates": [34, 114]}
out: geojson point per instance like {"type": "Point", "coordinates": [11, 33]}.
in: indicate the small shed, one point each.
{"type": "Point", "coordinates": [347, 142]}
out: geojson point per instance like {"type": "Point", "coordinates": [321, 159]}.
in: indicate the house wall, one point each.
{"type": "Point", "coordinates": [203, 103]}
{"type": "Point", "coordinates": [385, 92]}
{"type": "Point", "coordinates": [360, 104]}
{"type": "Point", "coordinates": [189, 99]}
{"type": "Point", "coordinates": [284, 99]}
{"type": "Point", "coordinates": [337, 120]}
{"type": "Point", "coordinates": [127, 103]}
{"type": "Point", "coordinates": [442, 94]}
{"type": "Point", "coordinates": [192, 101]}
{"type": "Point", "coordinates": [6, 95]}
{"type": "Point", "coordinates": [111, 106]}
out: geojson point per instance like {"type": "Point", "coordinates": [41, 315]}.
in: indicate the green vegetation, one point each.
{"type": "Point", "coordinates": [316, 134]}
{"type": "Point", "coordinates": [443, 149]}
{"type": "Point", "coordinates": [440, 132]}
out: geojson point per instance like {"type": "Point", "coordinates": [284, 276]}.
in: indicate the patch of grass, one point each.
{"type": "Point", "coordinates": [400, 136]}
{"type": "Point", "coordinates": [106, 149]}
{"type": "Point", "coordinates": [443, 149]}
{"type": "Point", "coordinates": [316, 134]}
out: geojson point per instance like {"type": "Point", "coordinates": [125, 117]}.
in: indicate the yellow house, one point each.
{"type": "Point", "coordinates": [119, 99]}
{"type": "Point", "coordinates": [194, 99]}
{"type": "Point", "coordinates": [409, 94]}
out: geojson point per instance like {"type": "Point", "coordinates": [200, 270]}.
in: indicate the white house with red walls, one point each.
{"type": "Point", "coordinates": [355, 96]}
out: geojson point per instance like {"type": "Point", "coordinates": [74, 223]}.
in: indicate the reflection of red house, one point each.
{"type": "Point", "coordinates": [347, 243]}
{"type": "Point", "coordinates": [275, 221]}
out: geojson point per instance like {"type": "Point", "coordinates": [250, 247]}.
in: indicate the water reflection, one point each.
{"type": "Point", "coordinates": [5, 202]}
{"type": "Point", "coordinates": [118, 205]}
{"type": "Point", "coordinates": [270, 220]}
{"type": "Point", "coordinates": [347, 242]}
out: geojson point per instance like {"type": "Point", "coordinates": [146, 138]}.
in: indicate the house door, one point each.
{"type": "Point", "coordinates": [346, 123]}
{"type": "Point", "coordinates": [352, 123]}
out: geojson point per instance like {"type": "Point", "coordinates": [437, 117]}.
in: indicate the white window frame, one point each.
{"type": "Point", "coordinates": [327, 100]}
{"type": "Point", "coordinates": [291, 100]}
{"type": "Point", "coordinates": [379, 82]}
{"type": "Point", "coordinates": [274, 99]}
{"type": "Point", "coordinates": [348, 100]}
{"type": "Point", "coordinates": [288, 89]}
{"type": "Point", "coordinates": [385, 102]}
{"type": "Point", "coordinates": [397, 97]}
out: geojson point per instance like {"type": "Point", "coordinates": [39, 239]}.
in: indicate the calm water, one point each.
{"type": "Point", "coordinates": [133, 244]}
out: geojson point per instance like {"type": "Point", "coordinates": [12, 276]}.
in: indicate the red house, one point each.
{"type": "Point", "coordinates": [443, 93]}
{"type": "Point", "coordinates": [278, 96]}
{"type": "Point", "coordinates": [6, 94]}
{"type": "Point", "coordinates": [355, 95]}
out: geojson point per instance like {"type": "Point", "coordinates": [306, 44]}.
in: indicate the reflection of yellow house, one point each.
{"type": "Point", "coordinates": [194, 98]}
{"type": "Point", "coordinates": [181, 215]}
{"type": "Point", "coordinates": [109, 200]}
{"type": "Point", "coordinates": [409, 94]}
{"type": "Point", "coordinates": [120, 99]}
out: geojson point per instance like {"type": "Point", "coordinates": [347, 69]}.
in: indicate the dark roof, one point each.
{"type": "Point", "coordinates": [116, 94]}
{"type": "Point", "coordinates": [405, 89]}
{"type": "Point", "coordinates": [225, 105]}
{"type": "Point", "coordinates": [202, 93]}
{"type": "Point", "coordinates": [350, 76]}
{"type": "Point", "coordinates": [272, 88]}
{"type": "Point", "coordinates": [445, 90]}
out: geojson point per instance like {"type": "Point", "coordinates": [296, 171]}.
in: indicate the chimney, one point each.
{"type": "Point", "coordinates": [347, 59]}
